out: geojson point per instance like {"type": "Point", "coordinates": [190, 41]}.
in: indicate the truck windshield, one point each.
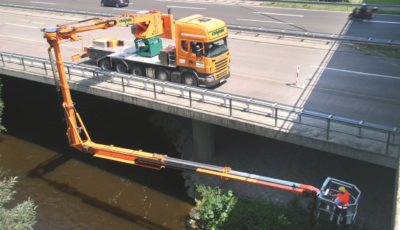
{"type": "Point", "coordinates": [216, 48]}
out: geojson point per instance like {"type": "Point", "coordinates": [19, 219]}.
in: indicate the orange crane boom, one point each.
{"type": "Point", "coordinates": [79, 137]}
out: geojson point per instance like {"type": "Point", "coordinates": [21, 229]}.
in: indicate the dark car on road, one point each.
{"type": "Point", "coordinates": [115, 3]}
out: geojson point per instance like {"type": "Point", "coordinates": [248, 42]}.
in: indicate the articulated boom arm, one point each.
{"type": "Point", "coordinates": [80, 139]}
{"type": "Point", "coordinates": [148, 24]}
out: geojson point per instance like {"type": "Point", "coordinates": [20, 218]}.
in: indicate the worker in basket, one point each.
{"type": "Point", "coordinates": [342, 199]}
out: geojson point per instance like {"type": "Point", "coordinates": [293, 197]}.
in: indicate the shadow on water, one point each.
{"type": "Point", "coordinates": [51, 164]}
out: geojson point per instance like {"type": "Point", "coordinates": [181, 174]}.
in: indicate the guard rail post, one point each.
{"type": "Point", "coordinates": [388, 142]}
{"type": "Point", "coordinates": [69, 72]}
{"type": "Point", "coordinates": [154, 89]}
{"type": "Point", "coordinates": [190, 98]}
{"type": "Point", "coordinates": [360, 125]}
{"type": "Point", "coordinates": [2, 60]}
{"type": "Point", "coordinates": [300, 114]}
{"type": "Point", "coordinates": [276, 115]}
{"type": "Point", "coordinates": [45, 69]}
{"type": "Point", "coordinates": [123, 84]}
{"type": "Point", "coordinates": [230, 107]}
{"type": "Point", "coordinates": [23, 63]}
{"type": "Point", "coordinates": [328, 126]}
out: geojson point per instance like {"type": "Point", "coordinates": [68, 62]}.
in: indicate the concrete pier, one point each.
{"type": "Point", "coordinates": [203, 141]}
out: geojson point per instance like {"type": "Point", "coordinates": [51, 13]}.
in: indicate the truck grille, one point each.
{"type": "Point", "coordinates": [221, 68]}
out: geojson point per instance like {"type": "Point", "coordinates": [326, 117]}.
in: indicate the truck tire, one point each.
{"type": "Point", "coordinates": [137, 70]}
{"type": "Point", "coordinates": [162, 74]}
{"type": "Point", "coordinates": [189, 79]}
{"type": "Point", "coordinates": [121, 68]}
{"type": "Point", "coordinates": [105, 64]}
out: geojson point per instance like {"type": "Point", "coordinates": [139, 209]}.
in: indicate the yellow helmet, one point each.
{"type": "Point", "coordinates": [342, 189]}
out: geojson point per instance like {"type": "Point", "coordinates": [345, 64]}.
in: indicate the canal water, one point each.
{"type": "Point", "coordinates": [75, 191]}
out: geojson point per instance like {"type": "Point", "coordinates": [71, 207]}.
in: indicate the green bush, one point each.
{"type": "Point", "coordinates": [254, 214]}
{"type": "Point", "coordinates": [212, 209]}
{"type": "Point", "coordinates": [23, 215]}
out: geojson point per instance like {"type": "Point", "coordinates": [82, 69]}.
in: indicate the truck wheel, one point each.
{"type": "Point", "coordinates": [136, 70]}
{"type": "Point", "coordinates": [105, 64]}
{"type": "Point", "coordinates": [162, 74]}
{"type": "Point", "coordinates": [189, 79]}
{"type": "Point", "coordinates": [121, 68]}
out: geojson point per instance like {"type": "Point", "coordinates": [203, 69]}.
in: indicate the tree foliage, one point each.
{"type": "Point", "coordinates": [21, 216]}
{"type": "Point", "coordinates": [213, 209]}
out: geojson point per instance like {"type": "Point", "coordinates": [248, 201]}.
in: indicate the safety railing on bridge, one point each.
{"type": "Point", "coordinates": [318, 125]}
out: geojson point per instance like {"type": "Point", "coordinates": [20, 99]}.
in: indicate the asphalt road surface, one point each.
{"type": "Point", "coordinates": [248, 14]}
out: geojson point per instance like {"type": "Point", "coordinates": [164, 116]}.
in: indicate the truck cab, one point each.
{"type": "Point", "coordinates": [201, 45]}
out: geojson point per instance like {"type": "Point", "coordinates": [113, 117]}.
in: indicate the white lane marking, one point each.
{"type": "Point", "coordinates": [45, 3]}
{"type": "Point", "coordinates": [357, 72]}
{"type": "Point", "coordinates": [39, 23]}
{"type": "Point", "coordinates": [121, 9]}
{"type": "Point", "coordinates": [187, 7]}
{"type": "Point", "coordinates": [252, 20]}
{"type": "Point", "coordinates": [387, 22]}
{"type": "Point", "coordinates": [25, 39]}
{"type": "Point", "coordinates": [289, 15]}
{"type": "Point", "coordinates": [19, 25]}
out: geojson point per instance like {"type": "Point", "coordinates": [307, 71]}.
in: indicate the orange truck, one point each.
{"type": "Point", "coordinates": [197, 55]}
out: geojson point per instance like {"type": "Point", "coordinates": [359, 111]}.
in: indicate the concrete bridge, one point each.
{"type": "Point", "coordinates": [343, 136]}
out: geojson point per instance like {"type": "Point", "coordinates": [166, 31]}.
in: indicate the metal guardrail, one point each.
{"type": "Point", "coordinates": [337, 37]}
{"type": "Point", "coordinates": [226, 104]}
{"type": "Point", "coordinates": [330, 3]}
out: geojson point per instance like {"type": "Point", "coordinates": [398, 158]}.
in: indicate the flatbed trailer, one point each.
{"type": "Point", "coordinates": [125, 59]}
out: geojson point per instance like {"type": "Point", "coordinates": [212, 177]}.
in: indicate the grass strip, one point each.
{"type": "Point", "coordinates": [332, 7]}
{"type": "Point", "coordinates": [388, 51]}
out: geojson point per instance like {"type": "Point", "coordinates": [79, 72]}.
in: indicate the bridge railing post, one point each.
{"type": "Point", "coordinates": [248, 104]}
{"type": "Point", "coordinates": [123, 84]}
{"type": "Point", "coordinates": [190, 98]}
{"type": "Point", "coordinates": [230, 107]}
{"type": "Point", "coordinates": [360, 125]}
{"type": "Point", "coordinates": [45, 69]}
{"type": "Point", "coordinates": [23, 64]}
{"type": "Point", "coordinates": [2, 60]}
{"type": "Point", "coordinates": [69, 72]}
{"type": "Point", "coordinates": [155, 91]}
{"type": "Point", "coordinates": [300, 115]}
{"type": "Point", "coordinates": [328, 126]}
{"type": "Point", "coordinates": [388, 142]}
